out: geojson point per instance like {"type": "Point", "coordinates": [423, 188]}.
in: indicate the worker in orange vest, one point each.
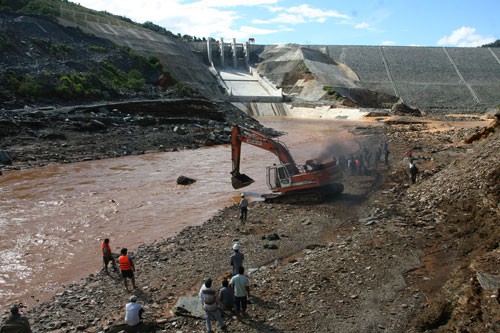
{"type": "Point", "coordinates": [107, 256]}
{"type": "Point", "coordinates": [127, 267]}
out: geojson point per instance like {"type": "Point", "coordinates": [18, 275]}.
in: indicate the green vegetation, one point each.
{"type": "Point", "coordinates": [104, 80]}
{"type": "Point", "coordinates": [13, 5]}
{"type": "Point", "coordinates": [97, 48]}
{"type": "Point", "coordinates": [152, 63]}
{"type": "Point", "coordinates": [183, 89]}
{"type": "Point", "coordinates": [303, 68]}
{"type": "Point", "coordinates": [42, 7]}
{"type": "Point", "coordinates": [52, 8]}
{"type": "Point", "coordinates": [25, 85]}
{"type": "Point", "coordinates": [73, 85]}
{"type": "Point", "coordinates": [494, 44]}
{"type": "Point", "coordinates": [60, 48]}
{"type": "Point", "coordinates": [120, 71]}
{"type": "Point", "coordinates": [156, 28]}
{"type": "Point", "coordinates": [38, 7]}
{"type": "Point", "coordinates": [135, 81]}
{"type": "Point", "coordinates": [331, 92]}
{"type": "Point", "coordinates": [6, 43]}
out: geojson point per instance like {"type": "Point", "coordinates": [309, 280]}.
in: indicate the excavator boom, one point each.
{"type": "Point", "coordinates": [314, 180]}
{"type": "Point", "coordinates": [254, 138]}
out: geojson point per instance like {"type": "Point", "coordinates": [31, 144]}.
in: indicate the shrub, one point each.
{"type": "Point", "coordinates": [41, 7]}
{"type": "Point", "coordinates": [331, 92]}
{"type": "Point", "coordinates": [61, 48]}
{"type": "Point", "coordinates": [97, 48]}
{"type": "Point", "coordinates": [70, 86]}
{"type": "Point", "coordinates": [304, 68]}
{"type": "Point", "coordinates": [135, 80]}
{"type": "Point", "coordinates": [29, 86]}
{"type": "Point", "coordinates": [184, 89]}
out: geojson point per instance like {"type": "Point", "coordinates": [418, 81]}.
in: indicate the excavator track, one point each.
{"type": "Point", "coordinates": [305, 197]}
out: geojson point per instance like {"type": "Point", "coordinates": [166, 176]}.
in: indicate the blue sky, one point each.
{"type": "Point", "coordinates": [336, 22]}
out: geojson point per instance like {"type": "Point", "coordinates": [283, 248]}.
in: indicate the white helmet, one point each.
{"type": "Point", "coordinates": [242, 194]}
{"type": "Point", "coordinates": [236, 246]}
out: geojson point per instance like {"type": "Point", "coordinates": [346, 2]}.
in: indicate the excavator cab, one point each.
{"type": "Point", "coordinates": [278, 177]}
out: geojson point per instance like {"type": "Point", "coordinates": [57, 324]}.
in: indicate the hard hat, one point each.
{"type": "Point", "coordinates": [242, 194]}
{"type": "Point", "coordinates": [133, 298]}
{"type": "Point", "coordinates": [236, 246]}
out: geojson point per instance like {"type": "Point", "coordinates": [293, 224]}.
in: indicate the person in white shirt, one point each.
{"type": "Point", "coordinates": [241, 285]}
{"type": "Point", "coordinates": [133, 312]}
{"type": "Point", "coordinates": [243, 207]}
{"type": "Point", "coordinates": [208, 298]}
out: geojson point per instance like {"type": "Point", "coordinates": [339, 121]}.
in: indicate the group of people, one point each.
{"type": "Point", "coordinates": [125, 261]}
{"type": "Point", "coordinates": [232, 299]}
{"type": "Point", "coordinates": [361, 162]}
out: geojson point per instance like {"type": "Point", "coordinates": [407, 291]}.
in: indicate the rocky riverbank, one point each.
{"type": "Point", "coordinates": [34, 137]}
{"type": "Point", "coordinates": [384, 256]}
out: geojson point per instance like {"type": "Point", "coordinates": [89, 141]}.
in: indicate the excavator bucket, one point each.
{"type": "Point", "coordinates": [240, 180]}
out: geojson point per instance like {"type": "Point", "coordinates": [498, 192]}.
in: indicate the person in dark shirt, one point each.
{"type": "Point", "coordinates": [16, 323]}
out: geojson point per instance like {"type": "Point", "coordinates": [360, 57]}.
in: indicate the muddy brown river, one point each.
{"type": "Point", "coordinates": [53, 219]}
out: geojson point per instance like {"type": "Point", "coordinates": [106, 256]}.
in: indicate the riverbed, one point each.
{"type": "Point", "coordinates": [53, 219]}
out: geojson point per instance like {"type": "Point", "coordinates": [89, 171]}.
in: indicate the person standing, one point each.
{"type": "Point", "coordinates": [243, 207]}
{"type": "Point", "coordinates": [226, 297]}
{"type": "Point", "coordinates": [236, 259]}
{"type": "Point", "coordinates": [413, 172]}
{"type": "Point", "coordinates": [127, 267]}
{"type": "Point", "coordinates": [386, 156]}
{"type": "Point", "coordinates": [16, 323]}
{"type": "Point", "coordinates": [107, 256]}
{"type": "Point", "coordinates": [208, 297]}
{"type": "Point", "coordinates": [133, 312]}
{"type": "Point", "coordinates": [241, 285]}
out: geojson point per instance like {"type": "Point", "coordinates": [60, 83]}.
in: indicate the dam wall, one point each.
{"type": "Point", "coordinates": [429, 78]}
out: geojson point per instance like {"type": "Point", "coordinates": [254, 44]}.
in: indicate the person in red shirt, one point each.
{"type": "Point", "coordinates": [127, 267]}
{"type": "Point", "coordinates": [107, 255]}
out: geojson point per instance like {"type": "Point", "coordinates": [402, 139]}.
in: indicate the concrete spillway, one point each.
{"type": "Point", "coordinates": [258, 97]}
{"type": "Point", "coordinates": [244, 86]}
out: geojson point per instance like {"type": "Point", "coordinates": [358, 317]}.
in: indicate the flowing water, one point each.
{"type": "Point", "coordinates": [53, 219]}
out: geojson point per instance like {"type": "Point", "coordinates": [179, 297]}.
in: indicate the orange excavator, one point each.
{"type": "Point", "coordinates": [289, 182]}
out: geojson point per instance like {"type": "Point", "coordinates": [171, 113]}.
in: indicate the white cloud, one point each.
{"type": "Point", "coordinates": [282, 18]}
{"type": "Point", "coordinates": [465, 37]}
{"type": "Point", "coordinates": [387, 43]}
{"type": "Point", "coordinates": [233, 3]}
{"type": "Point", "coordinates": [316, 13]}
{"type": "Point", "coordinates": [274, 9]}
{"type": "Point", "coordinates": [215, 18]}
{"type": "Point", "coordinates": [300, 14]}
{"type": "Point", "coordinates": [362, 25]}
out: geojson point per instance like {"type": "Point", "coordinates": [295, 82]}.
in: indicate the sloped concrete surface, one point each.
{"type": "Point", "coordinates": [176, 56]}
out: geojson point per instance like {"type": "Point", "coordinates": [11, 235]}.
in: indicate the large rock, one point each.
{"type": "Point", "coordinates": [5, 158]}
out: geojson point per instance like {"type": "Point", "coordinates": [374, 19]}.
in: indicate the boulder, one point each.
{"type": "Point", "coordinates": [5, 158]}
{"type": "Point", "coordinates": [183, 180]}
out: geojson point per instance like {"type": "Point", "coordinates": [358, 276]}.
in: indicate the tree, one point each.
{"type": "Point", "coordinates": [494, 44]}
